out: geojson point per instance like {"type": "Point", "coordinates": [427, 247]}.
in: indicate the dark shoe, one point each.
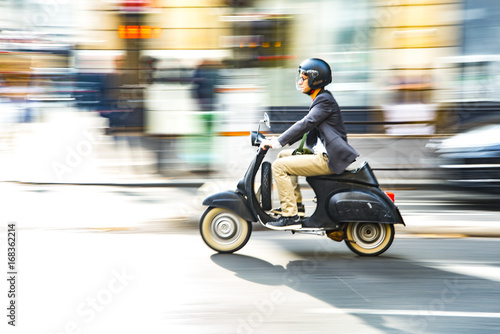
{"type": "Point", "coordinates": [285, 223]}
{"type": "Point", "coordinates": [300, 208]}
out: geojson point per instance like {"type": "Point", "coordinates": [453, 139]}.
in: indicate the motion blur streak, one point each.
{"type": "Point", "coordinates": [165, 85]}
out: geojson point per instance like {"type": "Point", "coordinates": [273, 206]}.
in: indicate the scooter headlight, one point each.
{"type": "Point", "coordinates": [256, 138]}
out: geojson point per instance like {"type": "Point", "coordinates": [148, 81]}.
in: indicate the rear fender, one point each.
{"type": "Point", "coordinates": [232, 201]}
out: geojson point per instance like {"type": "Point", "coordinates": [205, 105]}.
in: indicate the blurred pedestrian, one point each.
{"type": "Point", "coordinates": [122, 98]}
{"type": "Point", "coordinates": [205, 80]}
{"type": "Point", "coordinates": [148, 70]}
{"type": "Point", "coordinates": [123, 105]}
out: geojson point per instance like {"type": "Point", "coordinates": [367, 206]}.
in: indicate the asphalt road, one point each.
{"type": "Point", "coordinates": [130, 260]}
{"type": "Point", "coordinates": [126, 282]}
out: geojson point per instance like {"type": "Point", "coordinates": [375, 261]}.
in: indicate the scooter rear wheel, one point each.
{"type": "Point", "coordinates": [369, 239]}
{"type": "Point", "coordinates": [224, 231]}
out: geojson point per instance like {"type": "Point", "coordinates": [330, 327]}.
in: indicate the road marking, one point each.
{"type": "Point", "coordinates": [401, 203]}
{"type": "Point", "coordinates": [423, 313]}
{"type": "Point", "coordinates": [430, 235]}
{"type": "Point", "coordinates": [350, 287]}
{"type": "Point", "coordinates": [481, 271]}
{"type": "Point", "coordinates": [450, 212]}
{"type": "Point", "coordinates": [418, 220]}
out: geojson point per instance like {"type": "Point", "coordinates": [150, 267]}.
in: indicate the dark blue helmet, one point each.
{"type": "Point", "coordinates": [319, 73]}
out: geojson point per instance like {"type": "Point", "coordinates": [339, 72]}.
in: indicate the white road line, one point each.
{"type": "Point", "coordinates": [481, 271]}
{"type": "Point", "coordinates": [433, 221]}
{"type": "Point", "coordinates": [422, 204]}
{"type": "Point", "coordinates": [423, 313]}
{"type": "Point", "coordinates": [450, 213]}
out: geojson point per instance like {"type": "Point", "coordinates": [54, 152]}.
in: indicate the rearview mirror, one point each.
{"type": "Point", "coordinates": [255, 136]}
{"type": "Point", "coordinates": [266, 120]}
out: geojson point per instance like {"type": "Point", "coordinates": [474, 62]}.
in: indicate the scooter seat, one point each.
{"type": "Point", "coordinates": [362, 174]}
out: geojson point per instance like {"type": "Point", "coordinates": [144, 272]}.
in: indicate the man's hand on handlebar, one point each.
{"type": "Point", "coordinates": [270, 143]}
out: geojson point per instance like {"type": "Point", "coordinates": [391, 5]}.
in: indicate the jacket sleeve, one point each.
{"type": "Point", "coordinates": [320, 110]}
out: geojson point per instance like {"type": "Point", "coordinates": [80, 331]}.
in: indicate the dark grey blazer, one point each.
{"type": "Point", "coordinates": [324, 119]}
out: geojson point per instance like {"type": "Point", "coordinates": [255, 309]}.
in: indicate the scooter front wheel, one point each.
{"type": "Point", "coordinates": [369, 239]}
{"type": "Point", "coordinates": [224, 231]}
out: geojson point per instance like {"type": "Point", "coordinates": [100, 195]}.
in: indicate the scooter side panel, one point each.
{"type": "Point", "coordinates": [232, 201]}
{"type": "Point", "coordinates": [343, 202]}
{"type": "Point", "coordinates": [358, 206]}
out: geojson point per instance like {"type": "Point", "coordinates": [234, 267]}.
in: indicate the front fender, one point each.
{"type": "Point", "coordinates": [232, 201]}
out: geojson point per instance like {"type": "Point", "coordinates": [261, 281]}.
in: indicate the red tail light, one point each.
{"type": "Point", "coordinates": [390, 195]}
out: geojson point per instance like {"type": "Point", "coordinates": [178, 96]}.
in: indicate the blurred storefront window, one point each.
{"type": "Point", "coordinates": [470, 80]}
{"type": "Point", "coordinates": [481, 27]}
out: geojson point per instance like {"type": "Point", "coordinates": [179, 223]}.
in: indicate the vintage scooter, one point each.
{"type": "Point", "coordinates": [350, 207]}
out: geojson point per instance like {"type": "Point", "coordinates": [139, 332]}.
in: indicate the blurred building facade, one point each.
{"type": "Point", "coordinates": [390, 57]}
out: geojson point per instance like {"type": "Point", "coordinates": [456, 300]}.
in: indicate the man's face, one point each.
{"type": "Point", "coordinates": [303, 83]}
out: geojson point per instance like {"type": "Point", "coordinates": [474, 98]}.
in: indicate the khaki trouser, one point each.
{"type": "Point", "coordinates": [285, 171]}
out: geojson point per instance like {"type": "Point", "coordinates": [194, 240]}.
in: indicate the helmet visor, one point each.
{"type": "Point", "coordinates": [303, 75]}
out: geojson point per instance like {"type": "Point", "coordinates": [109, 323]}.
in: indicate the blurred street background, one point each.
{"type": "Point", "coordinates": [102, 91]}
{"type": "Point", "coordinates": [118, 117]}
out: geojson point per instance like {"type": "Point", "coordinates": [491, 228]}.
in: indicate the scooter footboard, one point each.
{"type": "Point", "coordinates": [359, 206]}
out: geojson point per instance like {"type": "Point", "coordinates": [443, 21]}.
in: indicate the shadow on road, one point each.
{"type": "Point", "coordinates": [387, 293]}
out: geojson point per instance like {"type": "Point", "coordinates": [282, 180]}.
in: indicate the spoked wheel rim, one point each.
{"type": "Point", "coordinates": [369, 239]}
{"type": "Point", "coordinates": [224, 231]}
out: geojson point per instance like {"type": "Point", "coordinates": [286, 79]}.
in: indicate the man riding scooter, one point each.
{"type": "Point", "coordinates": [326, 135]}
